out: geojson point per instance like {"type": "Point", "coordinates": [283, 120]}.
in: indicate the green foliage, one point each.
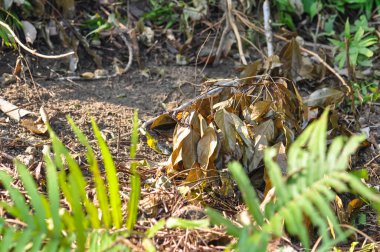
{"type": "Point", "coordinates": [288, 9]}
{"type": "Point", "coordinates": [360, 45]}
{"type": "Point", "coordinates": [12, 21]}
{"type": "Point", "coordinates": [85, 223]}
{"type": "Point", "coordinates": [366, 92]}
{"type": "Point", "coordinates": [162, 12]}
{"type": "Point", "coordinates": [315, 174]}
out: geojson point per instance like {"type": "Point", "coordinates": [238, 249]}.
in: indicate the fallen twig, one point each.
{"type": "Point", "coordinates": [31, 51]}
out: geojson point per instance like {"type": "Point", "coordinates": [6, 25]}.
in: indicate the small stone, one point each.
{"type": "Point", "coordinates": [31, 150]}
{"type": "Point", "coordinates": [27, 160]}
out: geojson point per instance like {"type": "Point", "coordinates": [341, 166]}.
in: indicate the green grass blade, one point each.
{"type": "Point", "coordinates": [7, 239]}
{"type": "Point", "coordinates": [101, 191]}
{"type": "Point", "coordinates": [248, 193]}
{"type": "Point", "coordinates": [52, 245]}
{"type": "Point", "coordinates": [81, 184]}
{"type": "Point", "coordinates": [25, 238]}
{"type": "Point", "coordinates": [112, 180]}
{"type": "Point", "coordinates": [36, 198]}
{"type": "Point", "coordinates": [78, 214]}
{"type": "Point", "coordinates": [134, 197]}
{"type": "Point", "coordinates": [53, 194]}
{"type": "Point", "coordinates": [135, 135]}
{"type": "Point", "coordinates": [37, 243]}
{"type": "Point", "coordinates": [135, 178]}
{"type": "Point", "coordinates": [18, 199]}
{"type": "Point", "coordinates": [60, 150]}
{"type": "Point", "coordinates": [173, 222]}
{"type": "Point", "coordinates": [217, 219]}
{"type": "Point", "coordinates": [151, 232]}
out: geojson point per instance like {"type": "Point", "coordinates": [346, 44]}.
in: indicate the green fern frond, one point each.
{"type": "Point", "coordinates": [314, 176]}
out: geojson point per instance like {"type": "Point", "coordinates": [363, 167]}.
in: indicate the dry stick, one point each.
{"type": "Point", "coordinates": [245, 21]}
{"type": "Point", "coordinates": [231, 21]}
{"type": "Point", "coordinates": [31, 51]}
{"type": "Point", "coordinates": [218, 53]}
{"type": "Point", "coordinates": [254, 46]}
{"type": "Point", "coordinates": [268, 27]}
{"type": "Point", "coordinates": [372, 160]}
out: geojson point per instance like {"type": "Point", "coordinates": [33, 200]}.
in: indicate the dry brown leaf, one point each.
{"type": "Point", "coordinates": [241, 130]}
{"type": "Point", "coordinates": [340, 211]}
{"type": "Point", "coordinates": [206, 147]}
{"type": "Point", "coordinates": [291, 59]}
{"type": "Point", "coordinates": [264, 133]}
{"type": "Point", "coordinates": [225, 122]}
{"type": "Point", "coordinates": [189, 149]}
{"type": "Point", "coordinates": [12, 110]}
{"type": "Point", "coordinates": [324, 97]}
{"type": "Point", "coordinates": [257, 110]}
{"type": "Point", "coordinates": [37, 127]}
{"type": "Point", "coordinates": [251, 70]}
{"type": "Point", "coordinates": [353, 206]}
{"type": "Point", "coordinates": [163, 121]}
{"type": "Point", "coordinates": [195, 174]}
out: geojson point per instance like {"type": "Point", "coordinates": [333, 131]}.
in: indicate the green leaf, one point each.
{"type": "Point", "coordinates": [22, 209]}
{"type": "Point", "coordinates": [248, 193]}
{"type": "Point", "coordinates": [347, 33]}
{"type": "Point", "coordinates": [151, 232]}
{"type": "Point", "coordinates": [173, 222]}
{"type": "Point", "coordinates": [135, 178]}
{"type": "Point", "coordinates": [53, 194]}
{"type": "Point", "coordinates": [36, 198]}
{"type": "Point", "coordinates": [218, 219]}
{"type": "Point", "coordinates": [79, 217]}
{"type": "Point", "coordinates": [101, 191]}
{"type": "Point", "coordinates": [111, 176]}
{"type": "Point", "coordinates": [7, 239]}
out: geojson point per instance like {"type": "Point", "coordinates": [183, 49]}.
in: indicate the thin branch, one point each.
{"type": "Point", "coordinates": [31, 51]}
{"type": "Point", "coordinates": [268, 27]}
{"type": "Point", "coordinates": [231, 20]}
